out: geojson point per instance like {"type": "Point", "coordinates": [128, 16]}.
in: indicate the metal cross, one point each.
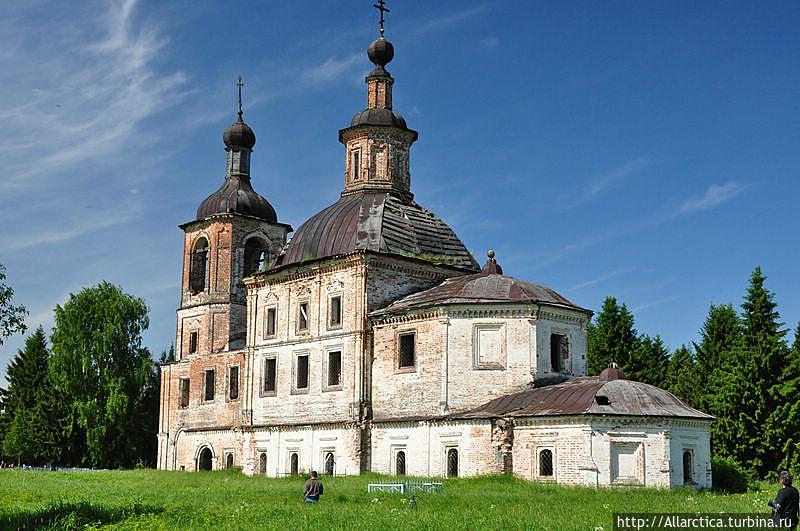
{"type": "Point", "coordinates": [240, 84]}
{"type": "Point", "coordinates": [381, 6]}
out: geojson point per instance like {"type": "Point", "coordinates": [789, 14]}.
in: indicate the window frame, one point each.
{"type": "Point", "coordinates": [228, 397]}
{"type": "Point", "coordinates": [331, 324]}
{"type": "Point", "coordinates": [538, 455]}
{"type": "Point", "coordinates": [194, 341]}
{"type": "Point", "coordinates": [398, 340]}
{"type": "Point", "coordinates": [500, 364]}
{"type": "Point", "coordinates": [261, 388]}
{"type": "Point", "coordinates": [300, 330]}
{"type": "Point", "coordinates": [188, 392]}
{"type": "Point", "coordinates": [355, 164]}
{"type": "Point", "coordinates": [295, 372]}
{"type": "Point", "coordinates": [326, 385]}
{"type": "Point", "coordinates": [270, 308]}
{"type": "Point", "coordinates": [557, 356]}
{"type": "Point", "coordinates": [213, 372]}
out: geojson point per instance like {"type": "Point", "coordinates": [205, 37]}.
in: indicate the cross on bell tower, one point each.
{"type": "Point", "coordinates": [381, 6]}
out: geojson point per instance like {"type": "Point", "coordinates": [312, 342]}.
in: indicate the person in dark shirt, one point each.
{"type": "Point", "coordinates": [785, 504]}
{"type": "Point", "coordinates": [313, 489]}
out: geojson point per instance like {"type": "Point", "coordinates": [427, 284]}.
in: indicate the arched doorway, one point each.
{"type": "Point", "coordinates": [452, 463]}
{"type": "Point", "coordinates": [400, 463]}
{"type": "Point", "coordinates": [229, 461]}
{"type": "Point", "coordinates": [204, 459]}
{"type": "Point", "coordinates": [294, 464]}
{"type": "Point", "coordinates": [330, 464]}
{"type": "Point", "coordinates": [687, 467]}
{"type": "Point", "coordinates": [262, 464]}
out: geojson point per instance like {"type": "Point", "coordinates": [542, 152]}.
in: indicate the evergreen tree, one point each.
{"type": "Point", "coordinates": [649, 361]}
{"type": "Point", "coordinates": [720, 340]}
{"type": "Point", "coordinates": [681, 379]}
{"type": "Point", "coordinates": [32, 409]}
{"type": "Point", "coordinates": [785, 420]}
{"type": "Point", "coordinates": [99, 364]}
{"type": "Point", "coordinates": [612, 338]}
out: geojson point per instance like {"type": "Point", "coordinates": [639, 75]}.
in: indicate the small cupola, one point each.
{"type": "Point", "coordinates": [612, 372]}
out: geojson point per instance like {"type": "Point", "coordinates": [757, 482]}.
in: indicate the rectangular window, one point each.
{"type": "Point", "coordinates": [302, 372]}
{"type": "Point", "coordinates": [559, 351]}
{"type": "Point", "coordinates": [356, 164]}
{"type": "Point", "coordinates": [334, 368]}
{"type": "Point", "coordinates": [209, 385]}
{"type": "Point", "coordinates": [184, 393]}
{"type": "Point", "coordinates": [406, 354]}
{"type": "Point", "coordinates": [270, 373]}
{"type": "Point", "coordinates": [270, 325]}
{"type": "Point", "coordinates": [233, 383]}
{"type": "Point", "coordinates": [192, 342]}
{"type": "Point", "coordinates": [302, 318]}
{"type": "Point", "coordinates": [335, 311]}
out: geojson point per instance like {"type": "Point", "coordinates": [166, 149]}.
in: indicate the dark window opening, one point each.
{"type": "Point", "coordinates": [330, 464]}
{"type": "Point", "coordinates": [687, 467]}
{"type": "Point", "coordinates": [262, 464]}
{"type": "Point", "coordinates": [204, 459]}
{"type": "Point", "coordinates": [198, 267]}
{"type": "Point", "coordinates": [302, 323]}
{"type": "Point", "coordinates": [229, 461]}
{"type": "Point", "coordinates": [255, 256]}
{"type": "Point", "coordinates": [302, 372]}
{"type": "Point", "coordinates": [271, 316]}
{"type": "Point", "coordinates": [452, 463]}
{"type": "Point", "coordinates": [335, 311]}
{"type": "Point", "coordinates": [602, 400]}
{"type": "Point", "coordinates": [406, 356]}
{"type": "Point", "coordinates": [356, 163]}
{"type": "Point", "coordinates": [233, 383]}
{"type": "Point", "coordinates": [192, 342]}
{"type": "Point", "coordinates": [546, 463]}
{"type": "Point", "coordinates": [184, 393]}
{"type": "Point", "coordinates": [209, 385]}
{"type": "Point", "coordinates": [270, 369]}
{"type": "Point", "coordinates": [400, 463]}
{"type": "Point", "coordinates": [334, 368]}
{"type": "Point", "coordinates": [294, 464]}
{"type": "Point", "coordinates": [559, 350]}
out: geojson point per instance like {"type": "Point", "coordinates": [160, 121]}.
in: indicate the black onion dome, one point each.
{"type": "Point", "coordinates": [379, 222]}
{"type": "Point", "coordinates": [380, 52]}
{"type": "Point", "coordinates": [236, 196]}
{"type": "Point", "coordinates": [239, 134]}
{"type": "Point", "coordinates": [378, 117]}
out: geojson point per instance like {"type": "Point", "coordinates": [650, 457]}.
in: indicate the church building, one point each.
{"type": "Point", "coordinates": [372, 340]}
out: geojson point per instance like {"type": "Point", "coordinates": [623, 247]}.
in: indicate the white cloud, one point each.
{"type": "Point", "coordinates": [607, 180]}
{"type": "Point", "coordinates": [715, 195]}
{"type": "Point", "coordinates": [449, 20]}
{"type": "Point", "coordinates": [600, 279]}
{"type": "Point", "coordinates": [651, 304]}
{"type": "Point", "coordinates": [489, 43]}
{"type": "Point", "coordinates": [334, 68]}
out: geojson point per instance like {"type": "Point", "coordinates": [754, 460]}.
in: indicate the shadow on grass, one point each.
{"type": "Point", "coordinates": [71, 515]}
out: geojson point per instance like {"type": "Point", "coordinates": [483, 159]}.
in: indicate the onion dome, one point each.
{"type": "Point", "coordinates": [239, 135]}
{"type": "Point", "coordinates": [380, 52]}
{"type": "Point", "coordinates": [236, 196]}
{"type": "Point", "coordinates": [378, 116]}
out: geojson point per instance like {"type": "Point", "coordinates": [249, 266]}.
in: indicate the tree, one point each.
{"type": "Point", "coordinates": [12, 318]}
{"type": "Point", "coordinates": [681, 376]}
{"type": "Point", "coordinates": [788, 410]}
{"type": "Point", "coordinates": [99, 364]}
{"type": "Point", "coordinates": [32, 412]}
{"type": "Point", "coordinates": [720, 340]}
{"type": "Point", "coordinates": [612, 338]}
{"type": "Point", "coordinates": [649, 361]}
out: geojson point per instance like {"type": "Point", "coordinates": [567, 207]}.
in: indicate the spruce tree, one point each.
{"type": "Point", "coordinates": [681, 378]}
{"type": "Point", "coordinates": [784, 423]}
{"type": "Point", "coordinates": [612, 338]}
{"type": "Point", "coordinates": [649, 361]}
{"type": "Point", "coordinates": [720, 340]}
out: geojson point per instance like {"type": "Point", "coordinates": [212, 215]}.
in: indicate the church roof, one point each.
{"type": "Point", "coordinates": [236, 195]}
{"type": "Point", "coordinates": [607, 394]}
{"type": "Point", "coordinates": [488, 286]}
{"type": "Point", "coordinates": [380, 222]}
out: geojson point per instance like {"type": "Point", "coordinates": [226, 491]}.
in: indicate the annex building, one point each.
{"type": "Point", "coordinates": [372, 340]}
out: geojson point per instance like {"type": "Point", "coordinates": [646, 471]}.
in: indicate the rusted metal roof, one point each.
{"type": "Point", "coordinates": [380, 222]}
{"type": "Point", "coordinates": [488, 286]}
{"type": "Point", "coordinates": [588, 395]}
{"type": "Point", "coordinates": [236, 195]}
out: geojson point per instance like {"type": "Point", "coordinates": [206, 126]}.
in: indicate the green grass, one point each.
{"type": "Point", "coordinates": [148, 499]}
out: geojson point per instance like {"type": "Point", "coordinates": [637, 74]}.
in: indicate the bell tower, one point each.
{"type": "Point", "coordinates": [235, 233]}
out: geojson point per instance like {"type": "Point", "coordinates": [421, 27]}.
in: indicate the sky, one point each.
{"type": "Point", "coordinates": [645, 150]}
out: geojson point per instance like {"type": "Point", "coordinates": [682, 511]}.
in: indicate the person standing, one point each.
{"type": "Point", "coordinates": [313, 489]}
{"type": "Point", "coordinates": [785, 504]}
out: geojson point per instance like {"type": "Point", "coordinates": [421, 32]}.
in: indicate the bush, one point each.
{"type": "Point", "coordinates": [727, 475]}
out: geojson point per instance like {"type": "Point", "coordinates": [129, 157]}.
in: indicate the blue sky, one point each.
{"type": "Point", "coordinates": [647, 150]}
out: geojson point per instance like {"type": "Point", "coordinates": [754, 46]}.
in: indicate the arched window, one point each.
{"type": "Point", "coordinates": [229, 461]}
{"type": "Point", "coordinates": [204, 459]}
{"type": "Point", "coordinates": [452, 463]}
{"type": "Point", "coordinates": [400, 463]}
{"type": "Point", "coordinates": [546, 463]}
{"type": "Point", "coordinates": [294, 464]}
{"type": "Point", "coordinates": [255, 256]}
{"type": "Point", "coordinates": [198, 266]}
{"type": "Point", "coordinates": [262, 463]}
{"type": "Point", "coordinates": [687, 467]}
{"type": "Point", "coordinates": [330, 464]}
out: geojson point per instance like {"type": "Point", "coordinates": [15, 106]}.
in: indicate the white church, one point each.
{"type": "Point", "coordinates": [372, 340]}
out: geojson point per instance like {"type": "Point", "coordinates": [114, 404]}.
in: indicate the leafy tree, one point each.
{"type": "Point", "coordinates": [32, 410]}
{"type": "Point", "coordinates": [681, 376]}
{"type": "Point", "coordinates": [99, 364]}
{"type": "Point", "coordinates": [612, 338]}
{"type": "Point", "coordinates": [12, 318]}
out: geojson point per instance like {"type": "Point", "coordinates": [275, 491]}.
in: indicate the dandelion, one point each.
{"type": "Point", "coordinates": [606, 506]}
{"type": "Point", "coordinates": [492, 506]}
{"type": "Point", "coordinates": [598, 528]}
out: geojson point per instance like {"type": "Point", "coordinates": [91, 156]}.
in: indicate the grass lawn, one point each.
{"type": "Point", "coordinates": [149, 499]}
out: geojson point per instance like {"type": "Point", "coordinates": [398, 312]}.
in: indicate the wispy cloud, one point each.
{"type": "Point", "coordinates": [651, 304]}
{"type": "Point", "coordinates": [334, 68]}
{"type": "Point", "coordinates": [600, 279]}
{"type": "Point", "coordinates": [443, 22]}
{"type": "Point", "coordinates": [607, 180]}
{"type": "Point", "coordinates": [489, 43]}
{"type": "Point", "coordinates": [715, 195]}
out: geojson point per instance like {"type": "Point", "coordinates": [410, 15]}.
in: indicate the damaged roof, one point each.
{"type": "Point", "coordinates": [380, 222]}
{"type": "Point", "coordinates": [607, 394]}
{"type": "Point", "coordinates": [488, 286]}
